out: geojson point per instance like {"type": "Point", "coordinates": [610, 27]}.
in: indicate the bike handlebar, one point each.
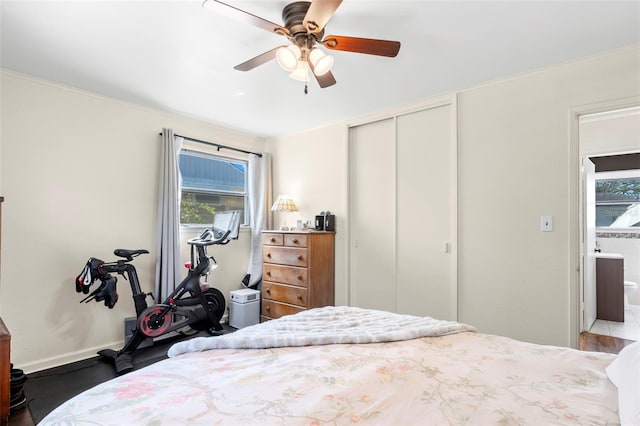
{"type": "Point", "coordinates": [207, 238]}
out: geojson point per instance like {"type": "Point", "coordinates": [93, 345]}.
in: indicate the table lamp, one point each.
{"type": "Point", "coordinates": [284, 203]}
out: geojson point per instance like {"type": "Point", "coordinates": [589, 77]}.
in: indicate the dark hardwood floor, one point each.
{"type": "Point", "coordinates": [600, 343]}
{"type": "Point", "coordinates": [21, 418]}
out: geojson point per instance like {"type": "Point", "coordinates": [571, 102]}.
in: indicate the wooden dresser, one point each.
{"type": "Point", "coordinates": [297, 272]}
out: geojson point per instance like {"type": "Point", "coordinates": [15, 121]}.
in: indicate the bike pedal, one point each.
{"type": "Point", "coordinates": [123, 364]}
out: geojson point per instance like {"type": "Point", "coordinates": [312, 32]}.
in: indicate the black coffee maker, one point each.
{"type": "Point", "coordinates": [325, 221]}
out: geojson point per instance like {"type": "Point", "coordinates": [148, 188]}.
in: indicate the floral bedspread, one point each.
{"type": "Point", "coordinates": [459, 379]}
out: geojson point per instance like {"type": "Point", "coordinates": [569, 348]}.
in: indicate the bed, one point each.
{"type": "Point", "coordinates": [344, 365]}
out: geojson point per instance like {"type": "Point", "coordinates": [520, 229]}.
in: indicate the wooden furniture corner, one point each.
{"type": "Point", "coordinates": [5, 373]}
{"type": "Point", "coordinates": [5, 364]}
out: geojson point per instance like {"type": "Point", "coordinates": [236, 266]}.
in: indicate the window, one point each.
{"type": "Point", "coordinates": [210, 184]}
{"type": "Point", "coordinates": [618, 199]}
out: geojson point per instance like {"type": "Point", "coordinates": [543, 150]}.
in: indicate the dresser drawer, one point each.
{"type": "Point", "coordinates": [272, 239]}
{"type": "Point", "coordinates": [295, 240]}
{"type": "Point", "coordinates": [284, 293]}
{"type": "Point", "coordinates": [274, 310]}
{"type": "Point", "coordinates": [285, 255]}
{"type": "Point", "coordinates": [285, 274]}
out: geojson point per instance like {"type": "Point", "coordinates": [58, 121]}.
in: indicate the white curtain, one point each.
{"type": "Point", "coordinates": [168, 243]}
{"type": "Point", "coordinates": [260, 199]}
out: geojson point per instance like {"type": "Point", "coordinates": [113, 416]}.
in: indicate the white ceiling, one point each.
{"type": "Point", "coordinates": [179, 56]}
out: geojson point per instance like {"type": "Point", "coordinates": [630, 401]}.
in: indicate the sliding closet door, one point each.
{"type": "Point", "coordinates": [426, 213]}
{"type": "Point", "coordinates": [372, 215]}
{"type": "Point", "coordinates": [403, 212]}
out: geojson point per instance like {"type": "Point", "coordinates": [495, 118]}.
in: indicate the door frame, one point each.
{"type": "Point", "coordinates": [576, 290]}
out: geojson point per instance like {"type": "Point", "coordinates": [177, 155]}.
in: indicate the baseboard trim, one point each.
{"type": "Point", "coordinates": [67, 358]}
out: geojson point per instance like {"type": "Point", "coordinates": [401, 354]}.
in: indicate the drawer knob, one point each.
{"type": "Point", "coordinates": [269, 273]}
{"type": "Point", "coordinates": [299, 277]}
{"type": "Point", "coordinates": [267, 308]}
{"type": "Point", "coordinates": [295, 241]}
{"type": "Point", "coordinates": [299, 297]}
{"type": "Point", "coordinates": [269, 255]}
{"type": "Point", "coordinates": [273, 240]}
{"type": "Point", "coordinates": [300, 257]}
{"type": "Point", "coordinates": [268, 291]}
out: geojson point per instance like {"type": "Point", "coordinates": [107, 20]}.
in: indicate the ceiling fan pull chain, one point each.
{"type": "Point", "coordinates": [306, 90]}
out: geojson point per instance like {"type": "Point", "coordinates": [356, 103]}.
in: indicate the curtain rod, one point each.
{"type": "Point", "coordinates": [217, 145]}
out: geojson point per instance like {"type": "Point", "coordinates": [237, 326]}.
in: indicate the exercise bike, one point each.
{"type": "Point", "coordinates": [192, 305]}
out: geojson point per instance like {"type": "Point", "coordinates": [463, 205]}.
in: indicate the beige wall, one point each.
{"type": "Point", "coordinates": [79, 175]}
{"type": "Point", "coordinates": [515, 164]}
{"type": "Point", "coordinates": [311, 168]}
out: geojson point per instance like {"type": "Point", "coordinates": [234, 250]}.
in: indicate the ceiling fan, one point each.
{"type": "Point", "coordinates": [304, 24]}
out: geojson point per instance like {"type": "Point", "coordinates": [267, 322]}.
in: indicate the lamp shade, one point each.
{"type": "Point", "coordinates": [288, 56]}
{"type": "Point", "coordinates": [300, 73]}
{"type": "Point", "coordinates": [321, 62]}
{"type": "Point", "coordinates": [284, 203]}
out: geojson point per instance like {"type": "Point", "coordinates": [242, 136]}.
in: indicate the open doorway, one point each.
{"type": "Point", "coordinates": [609, 145]}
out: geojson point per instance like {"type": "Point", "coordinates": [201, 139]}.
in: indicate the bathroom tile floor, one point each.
{"type": "Point", "coordinates": [629, 329]}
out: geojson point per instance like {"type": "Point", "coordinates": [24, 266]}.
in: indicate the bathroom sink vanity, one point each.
{"type": "Point", "coordinates": [610, 287]}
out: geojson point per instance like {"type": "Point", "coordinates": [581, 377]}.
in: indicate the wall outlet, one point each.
{"type": "Point", "coordinates": [546, 223]}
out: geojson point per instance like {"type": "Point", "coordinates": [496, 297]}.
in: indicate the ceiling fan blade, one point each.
{"type": "Point", "coordinates": [245, 17]}
{"type": "Point", "coordinates": [258, 60]}
{"type": "Point", "coordinates": [324, 80]}
{"type": "Point", "coordinates": [319, 13]}
{"type": "Point", "coordinates": [369, 46]}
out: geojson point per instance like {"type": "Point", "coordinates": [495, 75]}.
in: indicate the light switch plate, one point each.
{"type": "Point", "coordinates": [546, 223]}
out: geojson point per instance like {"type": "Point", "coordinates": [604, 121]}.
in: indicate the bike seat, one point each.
{"type": "Point", "coordinates": [129, 254]}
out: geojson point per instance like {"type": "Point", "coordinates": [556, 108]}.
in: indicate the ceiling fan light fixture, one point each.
{"type": "Point", "coordinates": [287, 57]}
{"type": "Point", "coordinates": [304, 27]}
{"type": "Point", "coordinates": [321, 62]}
{"type": "Point", "coordinates": [300, 73]}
